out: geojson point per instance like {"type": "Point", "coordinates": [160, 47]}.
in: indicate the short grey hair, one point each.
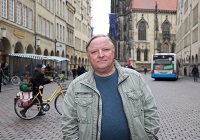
{"type": "Point", "coordinates": [97, 36]}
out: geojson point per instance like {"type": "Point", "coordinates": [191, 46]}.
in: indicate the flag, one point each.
{"type": "Point", "coordinates": [181, 5]}
{"type": "Point", "coordinates": [112, 19]}
{"type": "Point", "coordinates": [92, 29]}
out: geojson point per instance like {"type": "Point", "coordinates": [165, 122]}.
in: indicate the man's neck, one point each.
{"type": "Point", "coordinates": [105, 72]}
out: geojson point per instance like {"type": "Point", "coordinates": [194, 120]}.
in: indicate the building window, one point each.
{"type": "Point", "coordinates": [47, 28]}
{"type": "Point", "coordinates": [39, 24]}
{"type": "Point", "coordinates": [138, 54]}
{"type": "Point", "coordinates": [12, 8]}
{"type": "Point", "coordinates": [48, 4]}
{"type": "Point", "coordinates": [51, 6]}
{"type": "Point", "coordinates": [142, 31]}
{"type": "Point", "coordinates": [51, 30]}
{"type": "Point", "coordinates": [43, 26]}
{"type": "Point", "coordinates": [19, 11]}
{"type": "Point", "coordinates": [57, 31]}
{"type": "Point", "coordinates": [60, 33]}
{"type": "Point", "coordinates": [173, 48]}
{"type": "Point", "coordinates": [145, 55]}
{"type": "Point", "coordinates": [166, 31]}
{"type": "Point", "coordinates": [43, 3]}
{"type": "Point", "coordinates": [24, 16]}
{"type": "Point", "coordinates": [4, 8]}
{"type": "Point", "coordinates": [195, 15]}
{"type": "Point", "coordinates": [30, 17]}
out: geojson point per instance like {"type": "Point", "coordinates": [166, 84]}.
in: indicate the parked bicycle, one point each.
{"type": "Point", "coordinates": [15, 80]}
{"type": "Point", "coordinates": [36, 105]}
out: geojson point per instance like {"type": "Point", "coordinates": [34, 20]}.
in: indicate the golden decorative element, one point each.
{"type": "Point", "coordinates": [18, 34]}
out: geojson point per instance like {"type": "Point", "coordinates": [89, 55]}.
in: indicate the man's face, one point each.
{"type": "Point", "coordinates": [101, 53]}
{"type": "Point", "coordinates": [43, 69]}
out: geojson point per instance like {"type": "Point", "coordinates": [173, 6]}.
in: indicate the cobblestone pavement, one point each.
{"type": "Point", "coordinates": [45, 127]}
{"type": "Point", "coordinates": [179, 108]}
{"type": "Point", "coordinates": [180, 119]}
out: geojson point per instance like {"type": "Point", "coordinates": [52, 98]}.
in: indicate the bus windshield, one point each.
{"type": "Point", "coordinates": [163, 61]}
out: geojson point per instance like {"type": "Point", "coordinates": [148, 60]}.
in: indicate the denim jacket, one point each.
{"type": "Point", "coordinates": [82, 107]}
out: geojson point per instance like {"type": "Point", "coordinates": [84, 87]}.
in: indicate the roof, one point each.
{"type": "Point", "coordinates": [170, 5]}
{"type": "Point", "coordinates": [39, 57]}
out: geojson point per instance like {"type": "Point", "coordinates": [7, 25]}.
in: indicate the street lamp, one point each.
{"type": "Point", "coordinates": [37, 45]}
{"type": "Point", "coordinates": [55, 46]}
{"type": "Point", "coordinates": [3, 32]}
{"type": "Point", "coordinates": [38, 42]}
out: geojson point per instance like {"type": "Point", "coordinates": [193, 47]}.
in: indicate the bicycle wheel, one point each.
{"type": "Point", "coordinates": [15, 80]}
{"type": "Point", "coordinates": [31, 113]}
{"type": "Point", "coordinates": [58, 102]}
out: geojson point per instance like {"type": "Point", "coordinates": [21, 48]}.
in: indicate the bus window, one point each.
{"type": "Point", "coordinates": [163, 61]}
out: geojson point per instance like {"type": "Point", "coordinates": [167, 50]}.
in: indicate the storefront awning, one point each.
{"type": "Point", "coordinates": [39, 57]}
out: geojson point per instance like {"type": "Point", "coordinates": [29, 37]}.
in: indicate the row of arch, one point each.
{"type": "Point", "coordinates": [188, 63]}
{"type": "Point", "coordinates": [6, 48]}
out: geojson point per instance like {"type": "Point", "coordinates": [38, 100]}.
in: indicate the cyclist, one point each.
{"type": "Point", "coordinates": [38, 80]}
{"type": "Point", "coordinates": [62, 76]}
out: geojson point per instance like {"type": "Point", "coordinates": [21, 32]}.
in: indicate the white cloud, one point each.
{"type": "Point", "coordinates": [100, 21]}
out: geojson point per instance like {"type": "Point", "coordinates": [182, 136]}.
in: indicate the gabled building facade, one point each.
{"type": "Point", "coordinates": [144, 28]}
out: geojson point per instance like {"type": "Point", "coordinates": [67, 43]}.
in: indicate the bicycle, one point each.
{"type": "Point", "coordinates": [15, 80]}
{"type": "Point", "coordinates": [36, 107]}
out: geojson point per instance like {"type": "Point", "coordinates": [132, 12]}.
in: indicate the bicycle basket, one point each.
{"type": "Point", "coordinates": [24, 99]}
{"type": "Point", "coordinates": [23, 104]}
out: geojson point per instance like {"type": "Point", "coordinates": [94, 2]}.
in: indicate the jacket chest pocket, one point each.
{"type": "Point", "coordinates": [84, 107]}
{"type": "Point", "coordinates": [135, 103]}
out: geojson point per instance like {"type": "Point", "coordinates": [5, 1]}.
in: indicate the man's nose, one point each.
{"type": "Point", "coordinates": [101, 54]}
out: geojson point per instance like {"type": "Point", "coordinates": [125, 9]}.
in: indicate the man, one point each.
{"type": "Point", "coordinates": [38, 80]}
{"type": "Point", "coordinates": [145, 70]}
{"type": "Point", "coordinates": [195, 72]}
{"type": "Point", "coordinates": [109, 102]}
{"type": "Point", "coordinates": [74, 72]}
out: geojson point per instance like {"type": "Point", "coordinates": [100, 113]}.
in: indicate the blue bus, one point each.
{"type": "Point", "coordinates": [164, 65]}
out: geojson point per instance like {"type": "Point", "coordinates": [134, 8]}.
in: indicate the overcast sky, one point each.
{"type": "Point", "coordinates": [100, 21]}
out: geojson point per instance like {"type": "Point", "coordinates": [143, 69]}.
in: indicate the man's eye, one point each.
{"type": "Point", "coordinates": [106, 50]}
{"type": "Point", "coordinates": [94, 52]}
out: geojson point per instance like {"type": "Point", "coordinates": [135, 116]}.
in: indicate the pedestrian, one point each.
{"type": "Point", "coordinates": [145, 70]}
{"type": "Point", "coordinates": [74, 72]}
{"type": "Point", "coordinates": [57, 70]}
{"type": "Point", "coordinates": [2, 76]}
{"type": "Point", "coordinates": [185, 71]}
{"type": "Point", "coordinates": [38, 80]}
{"type": "Point", "coordinates": [83, 69]}
{"type": "Point", "coordinates": [109, 102]}
{"type": "Point", "coordinates": [195, 72]}
{"type": "Point", "coordinates": [5, 68]}
{"type": "Point", "coordinates": [79, 71]}
{"type": "Point", "coordinates": [128, 65]}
